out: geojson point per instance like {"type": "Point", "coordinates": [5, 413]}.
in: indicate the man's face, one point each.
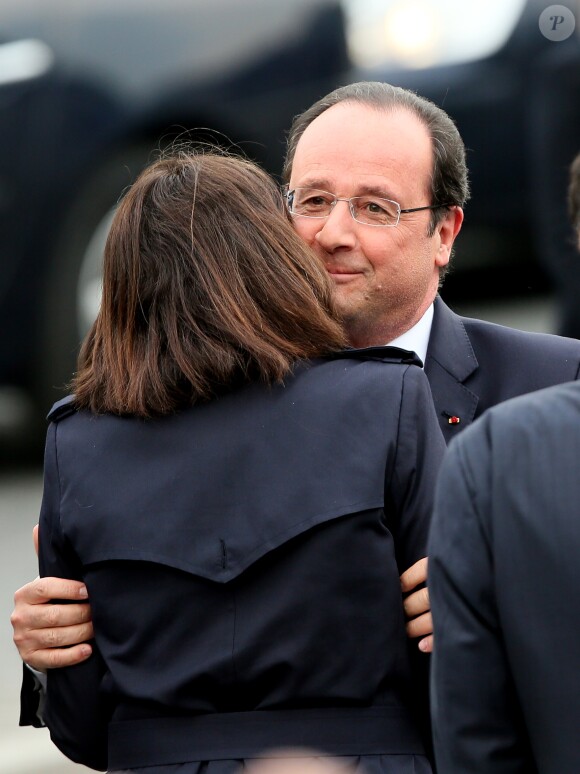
{"type": "Point", "coordinates": [384, 277]}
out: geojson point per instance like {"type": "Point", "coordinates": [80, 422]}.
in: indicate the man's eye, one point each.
{"type": "Point", "coordinates": [315, 201]}
{"type": "Point", "coordinates": [375, 208]}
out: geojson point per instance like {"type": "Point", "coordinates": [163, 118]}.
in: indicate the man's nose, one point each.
{"type": "Point", "coordinates": [338, 230]}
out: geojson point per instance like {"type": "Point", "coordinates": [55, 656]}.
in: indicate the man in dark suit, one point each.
{"type": "Point", "coordinates": [389, 148]}
{"type": "Point", "coordinates": [504, 579]}
{"type": "Point", "coordinates": [377, 181]}
{"type": "Point", "coordinates": [504, 583]}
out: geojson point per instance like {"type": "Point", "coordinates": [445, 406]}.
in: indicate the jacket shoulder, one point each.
{"type": "Point", "coordinates": [62, 409]}
{"type": "Point", "coordinates": [489, 338]}
{"type": "Point", "coordinates": [488, 332]}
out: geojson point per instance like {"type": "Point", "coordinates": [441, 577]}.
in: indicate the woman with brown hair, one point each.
{"type": "Point", "coordinates": [238, 493]}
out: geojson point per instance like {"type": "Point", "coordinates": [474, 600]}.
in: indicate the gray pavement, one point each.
{"type": "Point", "coordinates": [29, 751]}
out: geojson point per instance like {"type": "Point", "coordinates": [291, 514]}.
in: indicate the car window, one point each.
{"type": "Point", "coordinates": [424, 33]}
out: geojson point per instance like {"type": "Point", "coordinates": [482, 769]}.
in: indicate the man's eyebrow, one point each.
{"type": "Point", "coordinates": [374, 190]}
{"type": "Point", "coordinates": [322, 184]}
{"type": "Point", "coordinates": [319, 183]}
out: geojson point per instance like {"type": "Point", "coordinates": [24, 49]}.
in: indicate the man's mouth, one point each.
{"type": "Point", "coordinates": [342, 275]}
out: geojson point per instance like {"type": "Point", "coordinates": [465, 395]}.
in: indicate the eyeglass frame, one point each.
{"type": "Point", "coordinates": [287, 193]}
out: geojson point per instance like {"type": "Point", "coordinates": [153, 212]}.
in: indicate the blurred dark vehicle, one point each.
{"type": "Point", "coordinates": [88, 91]}
{"type": "Point", "coordinates": [517, 106]}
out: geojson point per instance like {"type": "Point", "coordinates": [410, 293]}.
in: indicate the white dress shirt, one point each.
{"type": "Point", "coordinates": [416, 339]}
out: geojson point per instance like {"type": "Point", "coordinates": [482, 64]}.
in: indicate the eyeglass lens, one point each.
{"type": "Point", "coordinates": [369, 209]}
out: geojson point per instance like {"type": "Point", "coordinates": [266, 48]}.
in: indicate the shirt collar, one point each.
{"type": "Point", "coordinates": [416, 339]}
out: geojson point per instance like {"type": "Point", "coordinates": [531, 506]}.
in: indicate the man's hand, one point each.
{"type": "Point", "coordinates": [416, 605]}
{"type": "Point", "coordinates": [47, 635]}
{"type": "Point", "coordinates": [43, 632]}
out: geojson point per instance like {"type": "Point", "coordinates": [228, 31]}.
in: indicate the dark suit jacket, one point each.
{"type": "Point", "coordinates": [244, 555]}
{"type": "Point", "coordinates": [504, 579]}
{"type": "Point", "coordinates": [472, 365]}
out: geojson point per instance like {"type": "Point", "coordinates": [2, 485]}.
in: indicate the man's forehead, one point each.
{"type": "Point", "coordinates": [356, 119]}
{"type": "Point", "coordinates": [363, 149]}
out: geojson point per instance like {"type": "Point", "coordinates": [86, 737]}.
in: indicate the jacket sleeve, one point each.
{"type": "Point", "coordinates": [476, 718]}
{"type": "Point", "coordinates": [419, 451]}
{"type": "Point", "coordinates": [74, 711]}
{"type": "Point", "coordinates": [31, 699]}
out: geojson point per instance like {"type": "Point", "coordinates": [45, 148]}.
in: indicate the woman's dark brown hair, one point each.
{"type": "Point", "coordinates": [206, 286]}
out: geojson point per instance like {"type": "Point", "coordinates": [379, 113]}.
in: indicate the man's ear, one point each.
{"type": "Point", "coordinates": [446, 231]}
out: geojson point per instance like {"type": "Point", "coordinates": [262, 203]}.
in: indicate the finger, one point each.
{"type": "Point", "coordinates": [415, 575]}
{"type": "Point", "coordinates": [426, 644]}
{"type": "Point", "coordinates": [42, 590]}
{"type": "Point", "coordinates": [420, 626]}
{"type": "Point", "coordinates": [60, 637]}
{"type": "Point", "coordinates": [416, 603]}
{"type": "Point", "coordinates": [59, 657]}
{"type": "Point", "coordinates": [35, 538]}
{"type": "Point", "coordinates": [33, 647]}
{"type": "Point", "coordinates": [31, 617]}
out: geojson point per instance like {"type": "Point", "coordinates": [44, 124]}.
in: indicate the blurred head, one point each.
{"type": "Point", "coordinates": [300, 761]}
{"type": "Point", "coordinates": [374, 138]}
{"type": "Point", "coordinates": [574, 197]}
{"type": "Point", "coordinates": [205, 286]}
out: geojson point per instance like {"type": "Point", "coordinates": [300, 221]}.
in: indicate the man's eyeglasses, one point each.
{"type": "Point", "coordinates": [369, 209]}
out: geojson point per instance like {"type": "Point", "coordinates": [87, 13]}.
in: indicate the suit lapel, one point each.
{"type": "Point", "coordinates": [450, 361]}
